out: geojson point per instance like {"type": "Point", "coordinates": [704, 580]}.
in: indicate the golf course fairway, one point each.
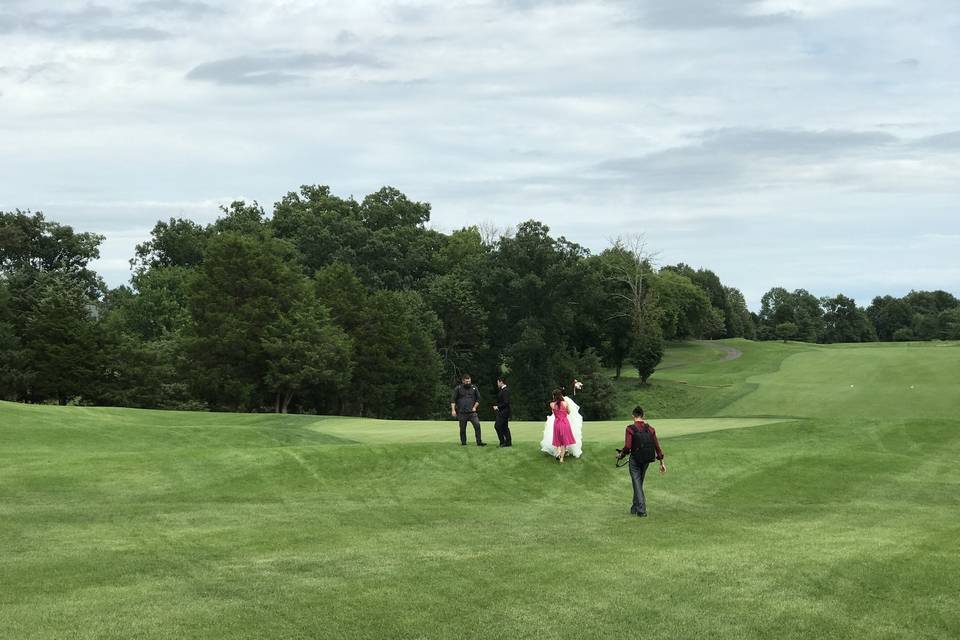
{"type": "Point", "coordinates": [811, 492]}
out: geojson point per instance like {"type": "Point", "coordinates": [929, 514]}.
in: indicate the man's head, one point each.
{"type": "Point", "coordinates": [466, 379]}
{"type": "Point", "coordinates": [637, 413]}
{"type": "Point", "coordinates": [501, 382]}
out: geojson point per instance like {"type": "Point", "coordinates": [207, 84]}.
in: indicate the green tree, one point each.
{"type": "Point", "coordinates": [175, 243]}
{"type": "Point", "coordinates": [683, 309]}
{"type": "Point", "coordinates": [9, 345]}
{"type": "Point", "coordinates": [29, 242]}
{"type": "Point", "coordinates": [948, 322]}
{"type": "Point", "coordinates": [245, 283]}
{"type": "Point", "coordinates": [648, 348]}
{"type": "Point", "coordinates": [56, 325]}
{"type": "Point", "coordinates": [737, 318]}
{"type": "Point", "coordinates": [787, 331]}
{"type": "Point", "coordinates": [889, 315]}
{"type": "Point", "coordinates": [455, 296]}
{"type": "Point", "coordinates": [597, 398]}
{"type": "Point", "coordinates": [844, 321]}
{"type": "Point", "coordinates": [304, 348]}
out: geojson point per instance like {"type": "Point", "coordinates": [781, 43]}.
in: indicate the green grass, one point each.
{"type": "Point", "coordinates": [839, 521]}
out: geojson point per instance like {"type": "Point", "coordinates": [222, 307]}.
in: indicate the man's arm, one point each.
{"type": "Point", "coordinates": [476, 399]}
{"type": "Point", "coordinates": [627, 443]}
{"type": "Point", "coordinates": [656, 444]}
{"type": "Point", "coordinates": [453, 401]}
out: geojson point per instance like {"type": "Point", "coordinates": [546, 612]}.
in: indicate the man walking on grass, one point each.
{"type": "Point", "coordinates": [463, 406]}
{"type": "Point", "coordinates": [641, 444]}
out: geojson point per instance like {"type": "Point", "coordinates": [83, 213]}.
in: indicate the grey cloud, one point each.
{"type": "Point", "coordinates": [276, 67]}
{"type": "Point", "coordinates": [726, 156]}
{"type": "Point", "coordinates": [788, 142]}
{"type": "Point", "coordinates": [92, 22]}
{"type": "Point", "coordinates": [179, 7]}
{"type": "Point", "coordinates": [949, 141]}
{"type": "Point", "coordinates": [673, 170]}
{"type": "Point", "coordinates": [909, 62]}
{"type": "Point", "coordinates": [346, 37]}
{"type": "Point", "coordinates": [108, 32]}
{"type": "Point", "coordinates": [707, 14]}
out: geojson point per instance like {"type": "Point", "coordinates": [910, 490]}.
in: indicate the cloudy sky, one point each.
{"type": "Point", "coordinates": [797, 143]}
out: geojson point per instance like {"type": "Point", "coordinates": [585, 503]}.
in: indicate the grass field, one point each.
{"type": "Point", "coordinates": [795, 506]}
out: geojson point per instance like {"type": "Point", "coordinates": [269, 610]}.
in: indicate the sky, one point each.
{"type": "Point", "coordinates": [799, 143]}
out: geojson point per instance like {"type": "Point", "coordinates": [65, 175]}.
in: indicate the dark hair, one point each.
{"type": "Point", "coordinates": [558, 396]}
{"type": "Point", "coordinates": [638, 411]}
{"type": "Point", "coordinates": [465, 376]}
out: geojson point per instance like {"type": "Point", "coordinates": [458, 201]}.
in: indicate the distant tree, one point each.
{"type": "Point", "coordinates": [787, 331]}
{"type": "Point", "coordinates": [629, 266]}
{"type": "Point", "coordinates": [455, 295]}
{"type": "Point", "coordinates": [949, 324]}
{"type": "Point", "coordinates": [245, 283]}
{"type": "Point", "coordinates": [714, 325]}
{"type": "Point", "coordinates": [799, 307]}
{"type": "Point", "coordinates": [648, 348]}
{"type": "Point", "coordinates": [398, 372]}
{"type": "Point", "coordinates": [175, 243]}
{"type": "Point", "coordinates": [903, 334]}
{"type": "Point", "coordinates": [29, 242]}
{"type": "Point", "coordinates": [146, 330]}
{"type": "Point", "coordinates": [683, 309]}
{"type": "Point", "coordinates": [844, 321]}
{"type": "Point", "coordinates": [597, 398]}
{"type": "Point", "coordinates": [384, 238]}
{"type": "Point", "coordinates": [57, 329]}
{"type": "Point", "coordinates": [9, 345]}
{"type": "Point", "coordinates": [737, 318]}
{"type": "Point", "coordinates": [889, 315]}
{"type": "Point", "coordinates": [925, 326]}
{"type": "Point", "coordinates": [240, 218]}
{"type": "Point", "coordinates": [304, 348]}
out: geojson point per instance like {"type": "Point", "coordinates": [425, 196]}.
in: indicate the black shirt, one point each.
{"type": "Point", "coordinates": [503, 403]}
{"type": "Point", "coordinates": [465, 398]}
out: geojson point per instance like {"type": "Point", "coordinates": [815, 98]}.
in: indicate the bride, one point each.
{"type": "Point", "coordinates": [576, 425]}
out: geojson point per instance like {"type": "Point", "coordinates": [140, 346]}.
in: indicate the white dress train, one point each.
{"type": "Point", "coordinates": [576, 425]}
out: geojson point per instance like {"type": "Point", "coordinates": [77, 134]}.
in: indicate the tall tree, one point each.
{"type": "Point", "coordinates": [57, 329]}
{"type": "Point", "coordinates": [304, 349]}
{"type": "Point", "coordinates": [844, 321]}
{"type": "Point", "coordinates": [175, 243]}
{"type": "Point", "coordinates": [9, 345]}
{"type": "Point", "coordinates": [242, 287]}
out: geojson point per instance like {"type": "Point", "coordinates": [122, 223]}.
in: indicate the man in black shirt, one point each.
{"type": "Point", "coordinates": [463, 405]}
{"type": "Point", "coordinates": [502, 424]}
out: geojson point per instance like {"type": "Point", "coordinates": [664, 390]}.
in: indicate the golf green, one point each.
{"type": "Point", "coordinates": [798, 507]}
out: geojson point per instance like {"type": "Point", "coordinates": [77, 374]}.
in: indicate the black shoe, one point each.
{"type": "Point", "coordinates": [501, 446]}
{"type": "Point", "coordinates": [642, 515]}
{"type": "Point", "coordinates": [481, 444]}
{"type": "Point", "coordinates": [463, 444]}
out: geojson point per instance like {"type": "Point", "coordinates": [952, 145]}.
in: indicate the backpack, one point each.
{"type": "Point", "coordinates": [644, 447]}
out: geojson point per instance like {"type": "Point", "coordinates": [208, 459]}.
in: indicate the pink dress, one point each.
{"type": "Point", "coordinates": [562, 433]}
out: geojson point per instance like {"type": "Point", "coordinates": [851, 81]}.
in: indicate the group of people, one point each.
{"type": "Point", "coordinates": [562, 432]}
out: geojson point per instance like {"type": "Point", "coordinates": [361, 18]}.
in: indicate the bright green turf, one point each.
{"type": "Point", "coordinates": [137, 524]}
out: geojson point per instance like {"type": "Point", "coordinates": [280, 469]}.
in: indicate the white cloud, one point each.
{"type": "Point", "coordinates": [742, 136]}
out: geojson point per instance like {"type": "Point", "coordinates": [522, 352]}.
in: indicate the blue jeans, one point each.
{"type": "Point", "coordinates": [637, 472]}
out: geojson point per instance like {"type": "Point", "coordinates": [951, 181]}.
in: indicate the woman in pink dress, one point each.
{"type": "Point", "coordinates": [562, 433]}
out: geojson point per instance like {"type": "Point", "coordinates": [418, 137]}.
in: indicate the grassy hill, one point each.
{"type": "Point", "coordinates": [794, 506]}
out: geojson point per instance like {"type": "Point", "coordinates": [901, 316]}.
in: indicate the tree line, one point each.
{"type": "Point", "coordinates": [358, 307]}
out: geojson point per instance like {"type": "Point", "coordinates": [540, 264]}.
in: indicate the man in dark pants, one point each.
{"type": "Point", "coordinates": [463, 405]}
{"type": "Point", "coordinates": [502, 424]}
{"type": "Point", "coordinates": [641, 444]}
